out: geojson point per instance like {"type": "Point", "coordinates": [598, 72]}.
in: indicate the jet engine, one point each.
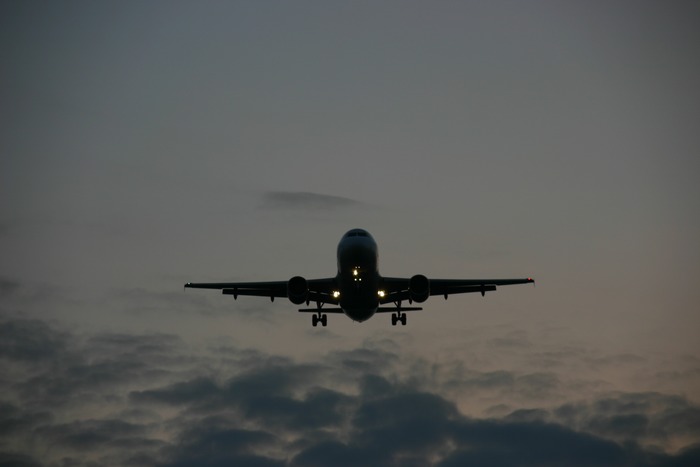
{"type": "Point", "coordinates": [297, 290]}
{"type": "Point", "coordinates": [419, 288]}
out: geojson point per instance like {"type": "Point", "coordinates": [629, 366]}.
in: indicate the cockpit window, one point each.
{"type": "Point", "coordinates": [357, 233]}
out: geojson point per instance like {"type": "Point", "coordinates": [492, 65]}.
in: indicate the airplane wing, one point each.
{"type": "Point", "coordinates": [320, 290]}
{"type": "Point", "coordinates": [398, 289]}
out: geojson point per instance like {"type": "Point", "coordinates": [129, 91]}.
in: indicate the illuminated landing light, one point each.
{"type": "Point", "coordinates": [354, 272]}
{"type": "Point", "coordinates": [381, 293]}
{"type": "Point", "coordinates": [336, 294]}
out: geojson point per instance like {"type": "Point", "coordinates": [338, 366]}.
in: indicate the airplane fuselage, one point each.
{"type": "Point", "coordinates": [358, 275]}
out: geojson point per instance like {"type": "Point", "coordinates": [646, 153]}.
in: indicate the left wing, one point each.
{"type": "Point", "coordinates": [398, 289]}
{"type": "Point", "coordinates": [319, 290]}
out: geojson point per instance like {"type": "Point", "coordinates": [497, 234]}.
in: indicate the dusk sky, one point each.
{"type": "Point", "coordinates": [145, 144]}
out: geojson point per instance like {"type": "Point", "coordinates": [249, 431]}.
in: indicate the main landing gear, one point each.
{"type": "Point", "coordinates": [319, 318]}
{"type": "Point", "coordinates": [398, 317]}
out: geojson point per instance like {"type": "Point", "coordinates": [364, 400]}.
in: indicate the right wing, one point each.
{"type": "Point", "coordinates": [320, 290]}
{"type": "Point", "coordinates": [455, 286]}
{"type": "Point", "coordinates": [397, 289]}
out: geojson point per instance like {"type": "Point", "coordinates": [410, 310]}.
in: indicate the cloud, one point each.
{"type": "Point", "coordinates": [14, 419]}
{"type": "Point", "coordinates": [8, 286]}
{"type": "Point", "coordinates": [363, 360]}
{"type": "Point", "coordinates": [21, 298]}
{"type": "Point", "coordinates": [118, 399]}
{"type": "Point", "coordinates": [492, 442]}
{"type": "Point", "coordinates": [89, 435]}
{"type": "Point", "coordinates": [319, 408]}
{"type": "Point", "coordinates": [412, 424]}
{"type": "Point", "coordinates": [137, 300]}
{"type": "Point", "coordinates": [642, 417]}
{"type": "Point", "coordinates": [11, 459]}
{"type": "Point", "coordinates": [218, 440]}
{"type": "Point", "coordinates": [30, 341]}
{"type": "Point", "coordinates": [144, 345]}
{"type": "Point", "coordinates": [299, 200]}
{"type": "Point", "coordinates": [179, 394]}
{"type": "Point", "coordinates": [47, 370]}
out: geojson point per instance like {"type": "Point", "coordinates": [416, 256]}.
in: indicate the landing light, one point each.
{"type": "Point", "coordinates": [354, 272]}
{"type": "Point", "coordinates": [381, 293]}
{"type": "Point", "coordinates": [336, 294]}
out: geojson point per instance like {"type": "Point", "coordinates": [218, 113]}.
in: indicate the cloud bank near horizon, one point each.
{"type": "Point", "coordinates": [153, 399]}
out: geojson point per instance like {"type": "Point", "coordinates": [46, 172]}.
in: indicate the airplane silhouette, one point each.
{"type": "Point", "coordinates": [358, 290]}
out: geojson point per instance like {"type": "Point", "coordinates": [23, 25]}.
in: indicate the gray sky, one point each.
{"type": "Point", "coordinates": [146, 144]}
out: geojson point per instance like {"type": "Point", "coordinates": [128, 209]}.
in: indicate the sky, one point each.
{"type": "Point", "coordinates": [147, 144]}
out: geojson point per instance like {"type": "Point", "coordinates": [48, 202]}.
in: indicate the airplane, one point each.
{"type": "Point", "coordinates": [358, 290]}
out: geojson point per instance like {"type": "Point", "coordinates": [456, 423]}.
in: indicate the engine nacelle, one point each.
{"type": "Point", "coordinates": [297, 290]}
{"type": "Point", "coordinates": [419, 288]}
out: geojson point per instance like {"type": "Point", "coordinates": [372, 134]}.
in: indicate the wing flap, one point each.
{"type": "Point", "coordinates": [253, 292]}
{"type": "Point", "coordinates": [456, 289]}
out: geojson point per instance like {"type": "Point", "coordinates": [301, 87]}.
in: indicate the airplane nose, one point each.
{"type": "Point", "coordinates": [357, 253]}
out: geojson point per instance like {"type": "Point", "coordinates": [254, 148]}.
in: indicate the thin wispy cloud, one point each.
{"type": "Point", "coordinates": [300, 200]}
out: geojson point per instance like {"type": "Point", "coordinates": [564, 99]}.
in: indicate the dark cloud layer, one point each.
{"type": "Point", "coordinates": [116, 399]}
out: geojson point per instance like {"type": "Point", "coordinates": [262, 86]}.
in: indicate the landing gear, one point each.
{"type": "Point", "coordinates": [319, 317]}
{"type": "Point", "coordinates": [398, 317]}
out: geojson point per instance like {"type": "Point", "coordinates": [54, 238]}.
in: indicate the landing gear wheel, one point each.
{"type": "Point", "coordinates": [323, 319]}
{"type": "Point", "coordinates": [398, 318]}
